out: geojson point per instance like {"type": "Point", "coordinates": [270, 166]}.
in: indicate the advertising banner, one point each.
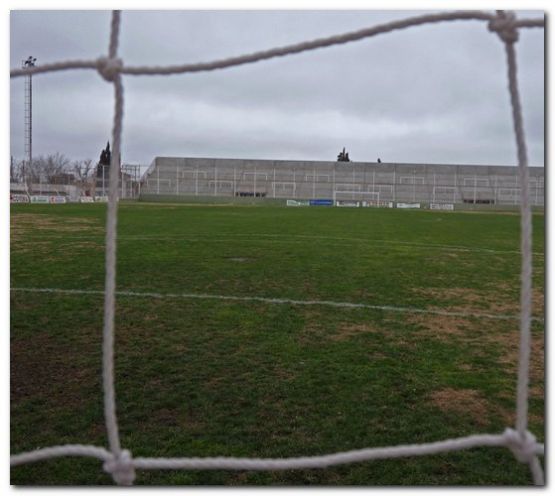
{"type": "Point", "coordinates": [408, 205]}
{"type": "Point", "coordinates": [442, 206]}
{"type": "Point", "coordinates": [321, 203]}
{"type": "Point", "coordinates": [40, 199]}
{"type": "Point", "coordinates": [19, 198]}
{"type": "Point", "coordinates": [297, 203]}
{"type": "Point", "coordinates": [377, 203]}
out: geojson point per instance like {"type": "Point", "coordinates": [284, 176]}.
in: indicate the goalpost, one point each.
{"type": "Point", "coordinates": [354, 195]}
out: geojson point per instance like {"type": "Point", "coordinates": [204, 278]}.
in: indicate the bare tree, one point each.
{"type": "Point", "coordinates": [56, 168]}
{"type": "Point", "coordinates": [83, 168]}
{"type": "Point", "coordinates": [83, 171]}
{"type": "Point", "coordinates": [33, 170]}
{"type": "Point", "coordinates": [51, 168]}
{"type": "Point", "coordinates": [16, 171]}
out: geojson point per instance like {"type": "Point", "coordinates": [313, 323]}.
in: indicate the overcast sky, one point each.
{"type": "Point", "coordinates": [430, 94]}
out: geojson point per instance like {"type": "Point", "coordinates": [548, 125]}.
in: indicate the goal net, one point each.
{"type": "Point", "coordinates": [120, 462]}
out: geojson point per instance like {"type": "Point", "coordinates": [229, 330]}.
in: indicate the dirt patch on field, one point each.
{"type": "Point", "coordinates": [441, 327]}
{"type": "Point", "coordinates": [473, 403]}
{"type": "Point", "coordinates": [538, 302]}
{"type": "Point", "coordinates": [32, 246]}
{"type": "Point", "coordinates": [47, 234]}
{"type": "Point", "coordinates": [508, 300]}
{"type": "Point", "coordinates": [467, 300]}
{"type": "Point", "coordinates": [315, 331]}
{"type": "Point", "coordinates": [509, 358]}
{"type": "Point", "coordinates": [464, 294]}
{"type": "Point", "coordinates": [347, 331]}
{"type": "Point", "coordinates": [504, 299]}
{"type": "Point", "coordinates": [467, 401]}
{"type": "Point", "coordinates": [22, 224]}
{"type": "Point", "coordinates": [482, 336]}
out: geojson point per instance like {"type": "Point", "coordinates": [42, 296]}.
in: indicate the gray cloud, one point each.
{"type": "Point", "coordinates": [428, 94]}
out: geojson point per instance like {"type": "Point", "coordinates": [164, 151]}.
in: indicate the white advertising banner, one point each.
{"type": "Point", "coordinates": [442, 206]}
{"type": "Point", "coordinates": [40, 199]}
{"type": "Point", "coordinates": [377, 203]}
{"type": "Point", "coordinates": [298, 203]}
{"type": "Point", "coordinates": [347, 203]}
{"type": "Point", "coordinates": [408, 205]}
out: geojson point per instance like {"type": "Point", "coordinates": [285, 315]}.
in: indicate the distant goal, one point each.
{"type": "Point", "coordinates": [353, 198]}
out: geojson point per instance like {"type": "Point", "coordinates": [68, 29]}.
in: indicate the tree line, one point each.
{"type": "Point", "coordinates": [52, 169]}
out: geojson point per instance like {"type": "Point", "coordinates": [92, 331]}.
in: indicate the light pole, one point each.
{"type": "Point", "coordinates": [28, 115]}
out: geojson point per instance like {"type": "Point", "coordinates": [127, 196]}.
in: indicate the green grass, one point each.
{"type": "Point", "coordinates": [203, 377]}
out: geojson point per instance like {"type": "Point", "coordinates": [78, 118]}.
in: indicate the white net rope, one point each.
{"type": "Point", "coordinates": [120, 462]}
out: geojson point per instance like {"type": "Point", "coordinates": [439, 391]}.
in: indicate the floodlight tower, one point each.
{"type": "Point", "coordinates": [28, 116]}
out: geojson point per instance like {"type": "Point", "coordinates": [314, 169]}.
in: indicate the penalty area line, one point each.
{"type": "Point", "coordinates": [274, 301]}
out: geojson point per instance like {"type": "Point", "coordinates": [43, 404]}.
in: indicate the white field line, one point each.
{"type": "Point", "coordinates": [283, 238]}
{"type": "Point", "coordinates": [275, 301]}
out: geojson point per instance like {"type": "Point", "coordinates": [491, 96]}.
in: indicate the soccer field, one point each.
{"type": "Point", "coordinates": [266, 331]}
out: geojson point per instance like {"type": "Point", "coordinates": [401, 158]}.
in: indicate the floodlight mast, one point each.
{"type": "Point", "coordinates": [28, 118]}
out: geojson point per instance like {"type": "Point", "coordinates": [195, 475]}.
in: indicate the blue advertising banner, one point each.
{"type": "Point", "coordinates": [326, 203]}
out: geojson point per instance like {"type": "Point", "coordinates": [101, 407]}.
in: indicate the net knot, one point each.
{"type": "Point", "coordinates": [524, 447]}
{"type": "Point", "coordinates": [121, 468]}
{"type": "Point", "coordinates": [505, 26]}
{"type": "Point", "coordinates": [109, 68]}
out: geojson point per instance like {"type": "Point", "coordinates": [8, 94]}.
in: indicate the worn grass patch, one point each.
{"type": "Point", "coordinates": [462, 401]}
{"type": "Point", "coordinates": [471, 300]}
{"type": "Point", "coordinates": [23, 223]}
